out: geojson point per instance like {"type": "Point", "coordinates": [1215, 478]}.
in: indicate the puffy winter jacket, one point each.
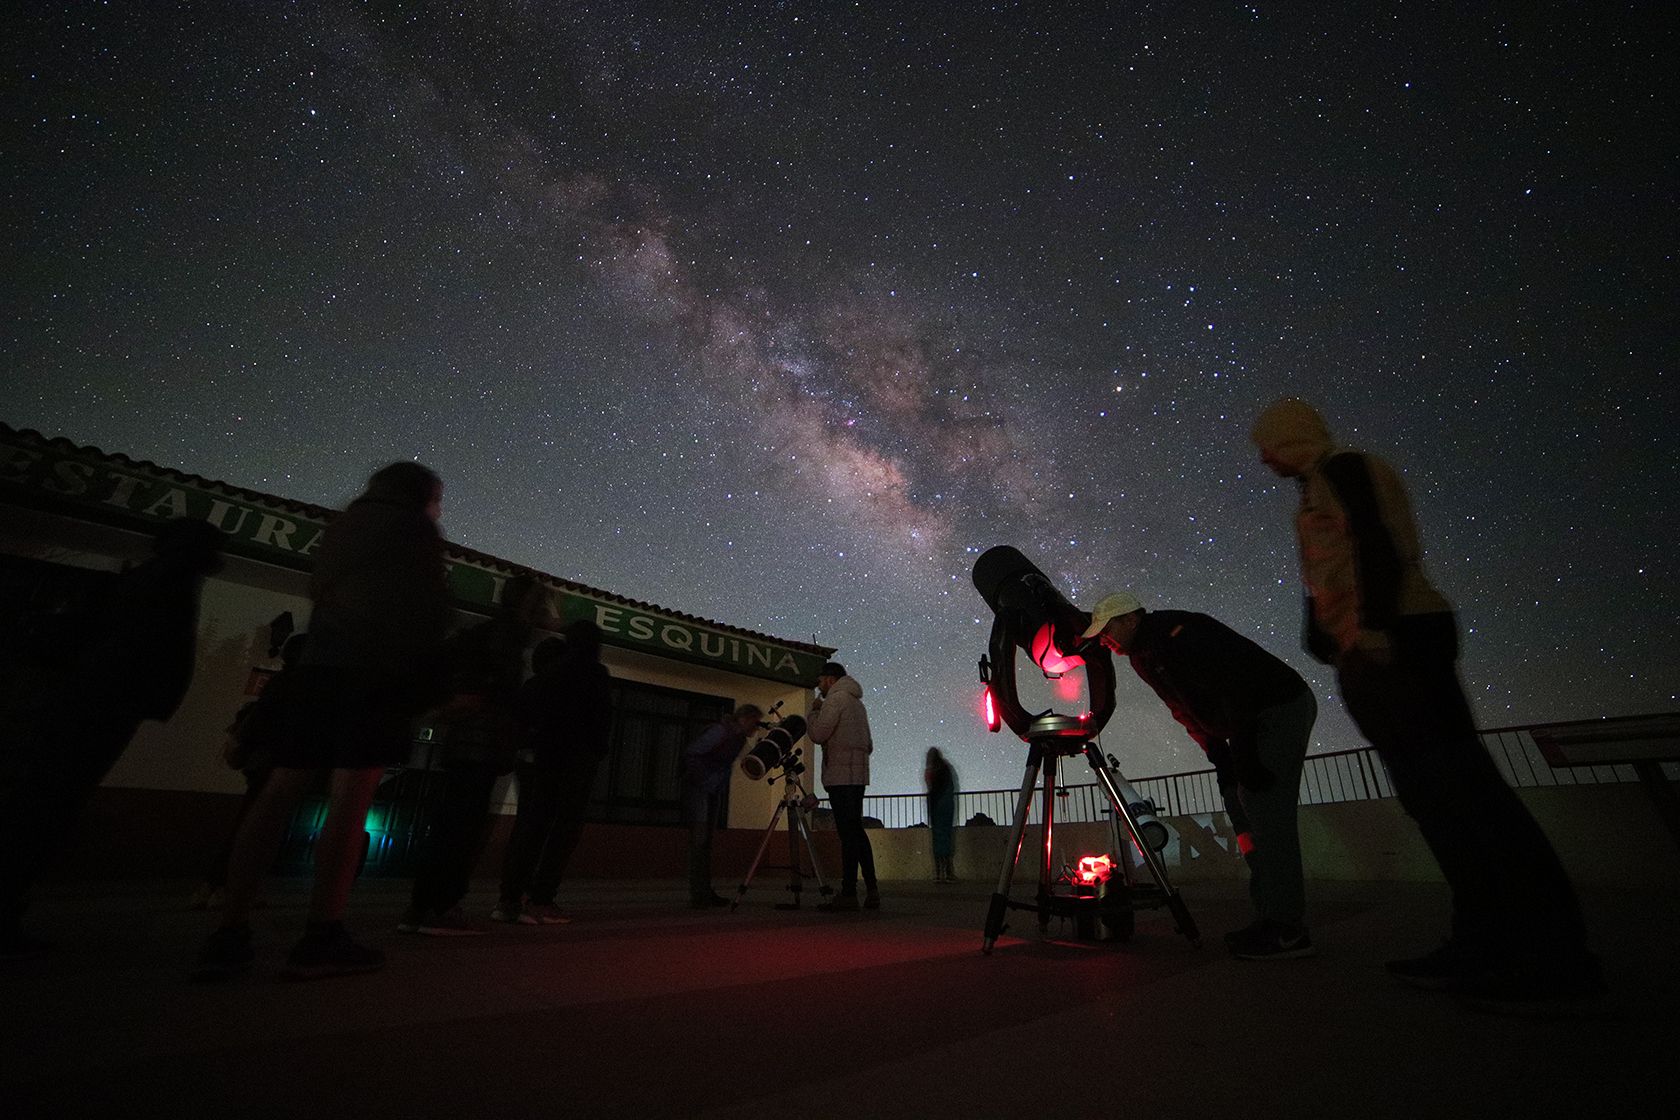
{"type": "Point", "coordinates": [840, 725]}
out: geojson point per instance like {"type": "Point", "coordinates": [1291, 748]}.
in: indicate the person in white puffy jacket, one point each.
{"type": "Point", "coordinates": [840, 725]}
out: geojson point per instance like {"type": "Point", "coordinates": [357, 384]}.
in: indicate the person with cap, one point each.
{"type": "Point", "coordinates": [1254, 716]}
{"type": "Point", "coordinates": [1517, 932]}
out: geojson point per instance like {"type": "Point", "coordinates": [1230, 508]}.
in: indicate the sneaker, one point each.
{"type": "Point", "coordinates": [872, 900]}
{"type": "Point", "coordinates": [513, 915]}
{"type": "Point", "coordinates": [330, 952]}
{"type": "Point", "coordinates": [227, 954]}
{"type": "Point", "coordinates": [840, 903]}
{"type": "Point", "coordinates": [1272, 941]}
{"type": "Point", "coordinates": [411, 921]}
{"type": "Point", "coordinates": [547, 914]}
{"type": "Point", "coordinates": [451, 923]}
{"type": "Point", "coordinates": [1451, 963]}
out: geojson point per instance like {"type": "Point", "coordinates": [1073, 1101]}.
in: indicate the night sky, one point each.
{"type": "Point", "coordinates": [780, 314]}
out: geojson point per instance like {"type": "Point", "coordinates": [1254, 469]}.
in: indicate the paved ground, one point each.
{"type": "Point", "coordinates": [642, 1008]}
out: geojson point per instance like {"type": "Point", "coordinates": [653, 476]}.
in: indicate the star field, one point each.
{"type": "Point", "coordinates": [780, 314]}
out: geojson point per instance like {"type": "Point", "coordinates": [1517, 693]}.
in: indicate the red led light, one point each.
{"type": "Point", "coordinates": [1095, 869]}
{"type": "Point", "coordinates": [988, 710]}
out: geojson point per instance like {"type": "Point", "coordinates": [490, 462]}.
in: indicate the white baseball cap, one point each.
{"type": "Point", "coordinates": [1111, 606]}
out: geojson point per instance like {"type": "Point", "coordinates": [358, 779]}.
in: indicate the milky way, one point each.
{"type": "Point", "coordinates": [781, 314]}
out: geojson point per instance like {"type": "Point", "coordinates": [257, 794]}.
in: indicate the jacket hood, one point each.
{"type": "Point", "coordinates": [848, 686]}
{"type": "Point", "coordinates": [1293, 432]}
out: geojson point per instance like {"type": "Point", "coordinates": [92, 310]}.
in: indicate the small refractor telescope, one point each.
{"type": "Point", "coordinates": [778, 752]}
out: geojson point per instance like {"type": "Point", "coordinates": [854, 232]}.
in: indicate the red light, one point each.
{"type": "Point", "coordinates": [1047, 657]}
{"type": "Point", "coordinates": [988, 710]}
{"type": "Point", "coordinates": [1095, 869]}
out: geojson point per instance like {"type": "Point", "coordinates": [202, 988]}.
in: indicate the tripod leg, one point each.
{"type": "Point", "coordinates": [1047, 851]}
{"type": "Point", "coordinates": [1012, 854]}
{"type": "Point", "coordinates": [762, 844]}
{"type": "Point", "coordinates": [811, 846]}
{"type": "Point", "coordinates": [1151, 858]}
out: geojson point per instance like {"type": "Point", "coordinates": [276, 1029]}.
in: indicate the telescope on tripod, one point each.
{"type": "Point", "coordinates": [777, 757]}
{"type": "Point", "coordinates": [1031, 616]}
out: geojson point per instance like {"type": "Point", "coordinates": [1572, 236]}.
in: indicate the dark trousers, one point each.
{"type": "Point", "coordinates": [855, 852]}
{"type": "Point", "coordinates": [552, 802]}
{"type": "Point", "coordinates": [1276, 884]}
{"type": "Point", "coordinates": [1509, 892]}
{"type": "Point", "coordinates": [700, 810]}
{"type": "Point", "coordinates": [56, 761]}
{"type": "Point", "coordinates": [455, 836]}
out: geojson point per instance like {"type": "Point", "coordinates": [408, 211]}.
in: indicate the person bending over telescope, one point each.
{"type": "Point", "coordinates": [1253, 715]}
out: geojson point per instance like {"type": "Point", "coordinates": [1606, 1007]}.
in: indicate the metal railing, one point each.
{"type": "Point", "coordinates": [1341, 776]}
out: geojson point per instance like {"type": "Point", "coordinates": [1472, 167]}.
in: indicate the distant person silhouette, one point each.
{"type": "Point", "coordinates": [1517, 932]}
{"type": "Point", "coordinates": [125, 656]}
{"type": "Point", "coordinates": [567, 707]}
{"type": "Point", "coordinates": [373, 662]}
{"type": "Point", "coordinates": [941, 782]}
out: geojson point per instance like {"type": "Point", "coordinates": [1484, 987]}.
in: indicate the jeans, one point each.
{"type": "Point", "coordinates": [700, 810]}
{"type": "Point", "coordinates": [1275, 883]}
{"type": "Point", "coordinates": [855, 852]}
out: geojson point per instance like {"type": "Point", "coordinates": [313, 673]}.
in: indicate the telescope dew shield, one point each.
{"type": "Point", "coordinates": [775, 751]}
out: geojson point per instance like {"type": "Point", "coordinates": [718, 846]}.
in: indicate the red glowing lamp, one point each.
{"type": "Point", "coordinates": [1094, 870]}
{"type": "Point", "coordinates": [988, 710]}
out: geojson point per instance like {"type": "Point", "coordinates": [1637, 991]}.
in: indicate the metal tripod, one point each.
{"type": "Point", "coordinates": [799, 825]}
{"type": "Point", "coordinates": [1048, 739]}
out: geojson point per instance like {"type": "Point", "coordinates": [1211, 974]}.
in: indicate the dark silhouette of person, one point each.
{"type": "Point", "coordinates": [372, 664]}
{"type": "Point", "coordinates": [482, 738]}
{"type": "Point", "coordinates": [941, 782]}
{"type": "Point", "coordinates": [1517, 931]}
{"type": "Point", "coordinates": [127, 656]}
{"type": "Point", "coordinates": [250, 750]}
{"type": "Point", "coordinates": [567, 708]}
{"type": "Point", "coordinates": [705, 774]}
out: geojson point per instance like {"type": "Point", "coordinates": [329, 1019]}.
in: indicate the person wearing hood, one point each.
{"type": "Point", "coordinates": [1517, 931]}
{"type": "Point", "coordinates": [840, 725]}
{"type": "Point", "coordinates": [372, 664]}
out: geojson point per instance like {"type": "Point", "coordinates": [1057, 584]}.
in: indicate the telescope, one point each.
{"type": "Point", "coordinates": [776, 751]}
{"type": "Point", "coordinates": [1030, 616]}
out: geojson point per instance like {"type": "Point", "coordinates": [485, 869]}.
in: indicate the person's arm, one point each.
{"type": "Point", "coordinates": [1356, 579]}
{"type": "Point", "coordinates": [825, 717]}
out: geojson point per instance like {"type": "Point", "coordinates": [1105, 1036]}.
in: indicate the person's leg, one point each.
{"type": "Point", "coordinates": [531, 823]}
{"type": "Point", "coordinates": [699, 808]}
{"type": "Point", "coordinates": [570, 806]}
{"type": "Point", "coordinates": [1276, 881]}
{"type": "Point", "coordinates": [469, 817]}
{"type": "Point", "coordinates": [847, 803]}
{"type": "Point", "coordinates": [338, 850]}
{"type": "Point", "coordinates": [216, 874]}
{"type": "Point", "coordinates": [257, 842]}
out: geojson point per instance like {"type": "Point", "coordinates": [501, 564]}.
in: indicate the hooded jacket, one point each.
{"type": "Point", "coordinates": [1360, 557]}
{"type": "Point", "coordinates": [840, 725]}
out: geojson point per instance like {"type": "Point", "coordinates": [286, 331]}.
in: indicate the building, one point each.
{"type": "Point", "coordinates": [72, 515]}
